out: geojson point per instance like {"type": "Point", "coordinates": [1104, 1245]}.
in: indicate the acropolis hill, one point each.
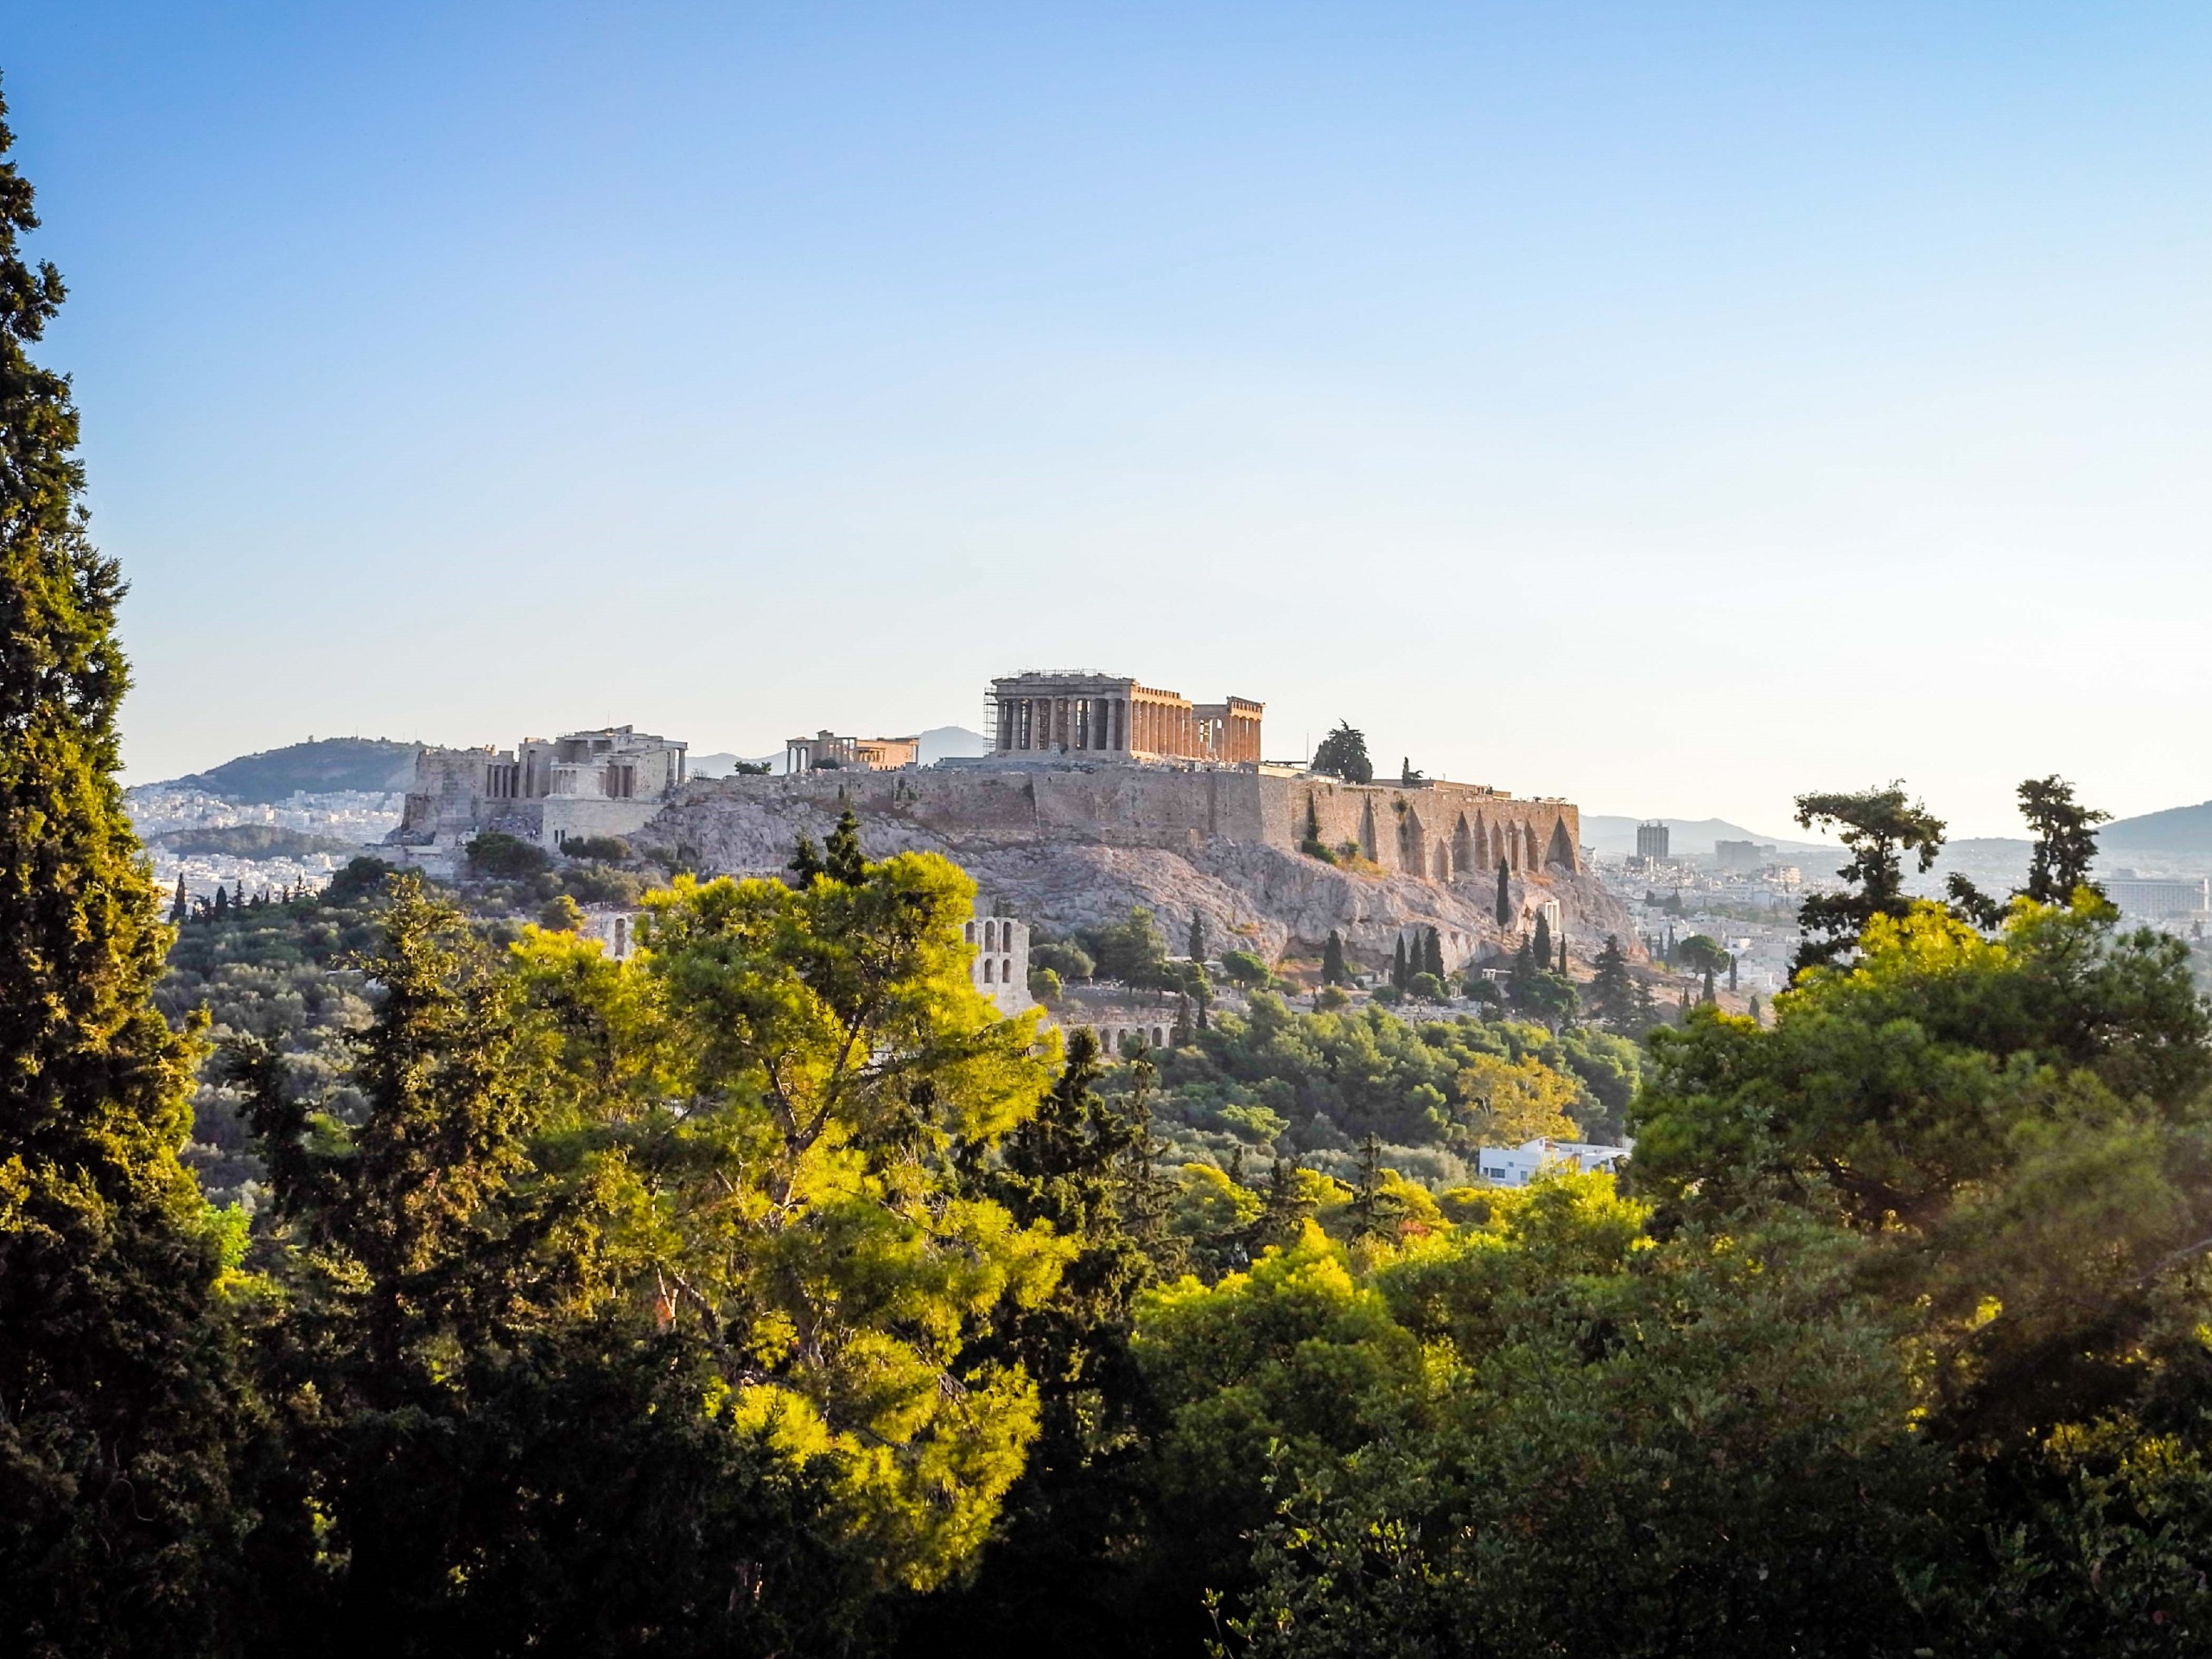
{"type": "Point", "coordinates": [1101, 793]}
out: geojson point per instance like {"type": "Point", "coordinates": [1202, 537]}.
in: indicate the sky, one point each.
{"type": "Point", "coordinates": [1670, 408]}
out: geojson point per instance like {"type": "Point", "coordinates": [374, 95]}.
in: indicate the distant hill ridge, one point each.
{"type": "Point", "coordinates": [326, 765]}
{"type": "Point", "coordinates": [322, 766]}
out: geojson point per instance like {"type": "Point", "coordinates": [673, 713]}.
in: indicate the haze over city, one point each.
{"type": "Point", "coordinates": [1672, 409]}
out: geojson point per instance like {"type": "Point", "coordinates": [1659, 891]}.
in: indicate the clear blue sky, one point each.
{"type": "Point", "coordinates": [1669, 407]}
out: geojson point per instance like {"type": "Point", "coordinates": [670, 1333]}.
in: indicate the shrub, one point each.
{"type": "Point", "coordinates": [495, 854]}
{"type": "Point", "coordinates": [609, 850]}
{"type": "Point", "coordinates": [1064, 958]}
{"type": "Point", "coordinates": [1425, 988]}
{"type": "Point", "coordinates": [1246, 969]}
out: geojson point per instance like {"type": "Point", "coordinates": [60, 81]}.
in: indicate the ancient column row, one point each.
{"type": "Point", "coordinates": [1094, 725]}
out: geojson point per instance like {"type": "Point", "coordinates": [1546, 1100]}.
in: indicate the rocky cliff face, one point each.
{"type": "Point", "coordinates": [1254, 897]}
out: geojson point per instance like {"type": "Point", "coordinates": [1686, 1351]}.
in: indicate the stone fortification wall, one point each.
{"type": "Point", "coordinates": [1438, 831]}
{"type": "Point", "coordinates": [1069, 847]}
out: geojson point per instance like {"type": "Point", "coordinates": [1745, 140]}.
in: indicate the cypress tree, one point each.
{"type": "Point", "coordinates": [1732, 971]}
{"type": "Point", "coordinates": [222, 906]}
{"type": "Point", "coordinates": [114, 1401]}
{"type": "Point", "coordinates": [843, 860]}
{"type": "Point", "coordinates": [1198, 939]}
{"type": "Point", "coordinates": [1332, 960]}
{"type": "Point", "coordinates": [181, 906]}
{"type": "Point", "coordinates": [1432, 954]}
{"type": "Point", "coordinates": [1542, 946]}
{"type": "Point", "coordinates": [1562, 953]}
{"type": "Point", "coordinates": [1505, 896]}
{"type": "Point", "coordinates": [1398, 975]}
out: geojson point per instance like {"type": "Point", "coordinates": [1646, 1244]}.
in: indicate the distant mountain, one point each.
{"type": "Point", "coordinates": [1615, 837]}
{"type": "Point", "coordinates": [952, 743]}
{"type": "Point", "coordinates": [2178, 835]}
{"type": "Point", "coordinates": [314, 768]}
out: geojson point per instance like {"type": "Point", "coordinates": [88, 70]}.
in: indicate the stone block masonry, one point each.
{"type": "Point", "coordinates": [1435, 831]}
{"type": "Point", "coordinates": [1073, 845]}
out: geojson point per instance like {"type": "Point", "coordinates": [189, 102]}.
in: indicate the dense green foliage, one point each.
{"type": "Point", "coordinates": [115, 1412]}
{"type": "Point", "coordinates": [1343, 754]}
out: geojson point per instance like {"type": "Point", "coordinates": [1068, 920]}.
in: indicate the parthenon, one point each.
{"type": "Point", "coordinates": [1113, 717]}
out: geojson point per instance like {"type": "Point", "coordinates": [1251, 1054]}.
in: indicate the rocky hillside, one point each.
{"type": "Point", "coordinates": [1275, 903]}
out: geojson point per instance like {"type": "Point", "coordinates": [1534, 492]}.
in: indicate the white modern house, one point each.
{"type": "Point", "coordinates": [1518, 1166]}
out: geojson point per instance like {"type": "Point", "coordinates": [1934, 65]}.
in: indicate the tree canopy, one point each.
{"type": "Point", "coordinates": [1343, 754]}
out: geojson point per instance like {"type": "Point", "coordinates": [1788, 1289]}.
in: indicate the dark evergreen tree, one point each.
{"type": "Point", "coordinates": [1196, 943]}
{"type": "Point", "coordinates": [1543, 941]}
{"type": "Point", "coordinates": [843, 860]}
{"type": "Point", "coordinates": [222, 904]}
{"type": "Point", "coordinates": [1282, 1216]}
{"type": "Point", "coordinates": [1709, 995]}
{"type": "Point", "coordinates": [181, 906]}
{"type": "Point", "coordinates": [806, 861]}
{"type": "Point", "coordinates": [1399, 975]}
{"type": "Point", "coordinates": [2065, 840]}
{"type": "Point", "coordinates": [1647, 1007]}
{"type": "Point", "coordinates": [1054, 1574]}
{"type": "Point", "coordinates": [116, 1403]}
{"type": "Point", "coordinates": [1504, 895]}
{"type": "Point", "coordinates": [1312, 843]}
{"type": "Point", "coordinates": [1879, 826]}
{"type": "Point", "coordinates": [1562, 953]}
{"type": "Point", "coordinates": [1731, 970]}
{"type": "Point", "coordinates": [1375, 1210]}
{"type": "Point", "coordinates": [1612, 990]}
{"type": "Point", "coordinates": [1343, 754]}
{"type": "Point", "coordinates": [1332, 960]}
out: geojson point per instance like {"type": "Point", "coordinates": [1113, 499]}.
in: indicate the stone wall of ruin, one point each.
{"type": "Point", "coordinates": [1438, 831]}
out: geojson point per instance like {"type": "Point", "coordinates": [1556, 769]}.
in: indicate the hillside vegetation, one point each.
{"type": "Point", "coordinates": [324, 766]}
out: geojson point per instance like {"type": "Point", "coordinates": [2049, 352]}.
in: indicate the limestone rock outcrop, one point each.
{"type": "Point", "coordinates": [1063, 876]}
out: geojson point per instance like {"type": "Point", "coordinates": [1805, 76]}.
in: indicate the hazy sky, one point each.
{"type": "Point", "coordinates": [1669, 407]}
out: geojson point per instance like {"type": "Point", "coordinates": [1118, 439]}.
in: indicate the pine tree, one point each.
{"type": "Point", "coordinates": [115, 1406]}
{"type": "Point", "coordinates": [1505, 896]}
{"type": "Point", "coordinates": [1332, 960]}
{"type": "Point", "coordinates": [806, 861]}
{"type": "Point", "coordinates": [2065, 840]}
{"type": "Point", "coordinates": [1374, 1211]}
{"type": "Point", "coordinates": [1646, 1006]}
{"type": "Point", "coordinates": [1283, 1215]}
{"type": "Point", "coordinates": [843, 860]}
{"type": "Point", "coordinates": [1613, 994]}
{"type": "Point", "coordinates": [1543, 941]}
